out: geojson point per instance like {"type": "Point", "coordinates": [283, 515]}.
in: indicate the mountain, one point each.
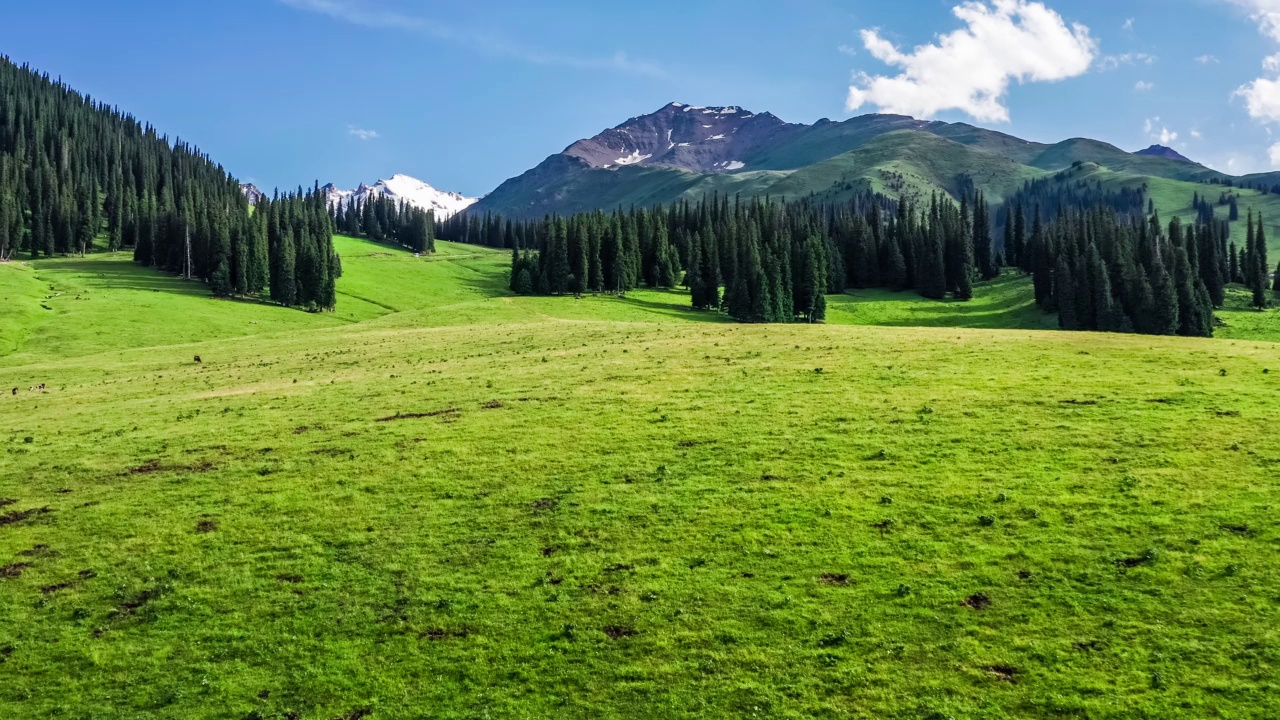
{"type": "Point", "coordinates": [252, 193]}
{"type": "Point", "coordinates": [402, 187]}
{"type": "Point", "coordinates": [688, 137]}
{"type": "Point", "coordinates": [687, 151]}
{"type": "Point", "coordinates": [1164, 152]}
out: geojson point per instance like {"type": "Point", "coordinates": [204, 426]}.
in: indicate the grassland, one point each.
{"type": "Point", "coordinates": [446, 502]}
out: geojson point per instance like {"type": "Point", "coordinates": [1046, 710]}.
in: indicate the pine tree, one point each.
{"type": "Point", "coordinates": [1065, 292]}
{"type": "Point", "coordinates": [710, 282]}
{"type": "Point", "coordinates": [965, 269]}
{"type": "Point", "coordinates": [1260, 264]}
{"type": "Point", "coordinates": [1164, 316]}
{"type": "Point", "coordinates": [1195, 318]}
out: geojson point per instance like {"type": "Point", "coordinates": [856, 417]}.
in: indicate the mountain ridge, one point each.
{"type": "Point", "coordinates": [683, 151]}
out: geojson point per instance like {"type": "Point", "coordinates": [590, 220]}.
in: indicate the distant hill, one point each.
{"type": "Point", "coordinates": [686, 151]}
{"type": "Point", "coordinates": [1164, 152]}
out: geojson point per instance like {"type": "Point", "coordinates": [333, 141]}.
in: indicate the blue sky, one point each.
{"type": "Point", "coordinates": [467, 94]}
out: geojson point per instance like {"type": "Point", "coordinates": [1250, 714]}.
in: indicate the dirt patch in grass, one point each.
{"type": "Point", "coordinates": [415, 416]}
{"type": "Point", "coordinates": [1132, 562]}
{"type": "Point", "coordinates": [436, 634]}
{"type": "Point", "coordinates": [695, 443]}
{"type": "Point", "coordinates": [834, 579]}
{"type": "Point", "coordinates": [1090, 645]}
{"type": "Point", "coordinates": [493, 405]}
{"type": "Point", "coordinates": [155, 466]}
{"type": "Point", "coordinates": [619, 567]}
{"type": "Point", "coordinates": [59, 587]}
{"type": "Point", "coordinates": [139, 601]}
{"type": "Point", "coordinates": [1237, 529]}
{"type": "Point", "coordinates": [1005, 673]}
{"type": "Point", "coordinates": [884, 526]}
{"type": "Point", "coordinates": [38, 551]}
{"type": "Point", "coordinates": [18, 516]}
{"type": "Point", "coordinates": [617, 632]}
{"type": "Point", "coordinates": [1078, 402]}
{"type": "Point", "coordinates": [544, 504]}
{"type": "Point", "coordinates": [977, 601]}
{"type": "Point", "coordinates": [13, 570]}
{"type": "Point", "coordinates": [6, 502]}
{"type": "Point", "coordinates": [291, 578]}
{"type": "Point", "coordinates": [549, 551]}
{"type": "Point", "coordinates": [206, 526]}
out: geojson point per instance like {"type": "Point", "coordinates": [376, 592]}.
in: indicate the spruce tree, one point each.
{"type": "Point", "coordinates": [1065, 292]}
{"type": "Point", "coordinates": [1165, 318]}
{"type": "Point", "coordinates": [1260, 264]}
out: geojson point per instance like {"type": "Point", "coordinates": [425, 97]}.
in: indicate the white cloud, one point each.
{"type": "Point", "coordinates": [1144, 86]}
{"type": "Point", "coordinates": [1196, 134]}
{"type": "Point", "coordinates": [970, 68]}
{"type": "Point", "coordinates": [361, 133]}
{"type": "Point", "coordinates": [1262, 96]}
{"type": "Point", "coordinates": [357, 12]}
{"type": "Point", "coordinates": [1163, 135]}
{"type": "Point", "coordinates": [1273, 153]}
{"type": "Point", "coordinates": [1207, 59]}
{"type": "Point", "coordinates": [1111, 62]}
{"type": "Point", "coordinates": [846, 50]}
{"type": "Point", "coordinates": [1128, 24]}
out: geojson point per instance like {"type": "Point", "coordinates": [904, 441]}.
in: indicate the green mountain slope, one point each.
{"type": "Point", "coordinates": [894, 154]}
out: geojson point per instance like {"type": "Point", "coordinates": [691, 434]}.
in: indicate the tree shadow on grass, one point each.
{"type": "Point", "coordinates": [670, 309]}
{"type": "Point", "coordinates": [106, 272]}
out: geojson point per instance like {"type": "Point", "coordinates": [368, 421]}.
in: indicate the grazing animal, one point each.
{"type": "Point", "coordinates": [198, 359]}
{"type": "Point", "coordinates": [15, 391]}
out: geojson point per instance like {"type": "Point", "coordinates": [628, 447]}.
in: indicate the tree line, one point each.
{"type": "Point", "coordinates": [776, 261]}
{"type": "Point", "coordinates": [1101, 270]}
{"type": "Point", "coordinates": [1099, 262]}
{"type": "Point", "coordinates": [382, 219]}
{"type": "Point", "coordinates": [77, 175]}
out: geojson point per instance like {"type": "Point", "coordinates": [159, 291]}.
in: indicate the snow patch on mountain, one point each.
{"type": "Point", "coordinates": [252, 193]}
{"type": "Point", "coordinates": [633, 158]}
{"type": "Point", "coordinates": [404, 188]}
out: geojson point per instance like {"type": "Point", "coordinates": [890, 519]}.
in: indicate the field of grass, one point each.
{"type": "Point", "coordinates": [443, 501]}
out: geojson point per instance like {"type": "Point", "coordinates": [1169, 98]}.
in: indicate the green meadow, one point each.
{"type": "Point", "coordinates": [445, 501]}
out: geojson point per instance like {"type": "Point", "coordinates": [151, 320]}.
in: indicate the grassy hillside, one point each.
{"type": "Point", "coordinates": [907, 163]}
{"type": "Point", "coordinates": [445, 501]}
{"type": "Point", "coordinates": [1173, 198]}
{"type": "Point", "coordinates": [893, 154]}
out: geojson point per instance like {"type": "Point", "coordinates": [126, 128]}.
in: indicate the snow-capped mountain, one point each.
{"type": "Point", "coordinates": [409, 189]}
{"type": "Point", "coordinates": [690, 137]}
{"type": "Point", "coordinates": [252, 192]}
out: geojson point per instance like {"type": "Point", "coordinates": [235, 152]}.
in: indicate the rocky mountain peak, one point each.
{"type": "Point", "coordinates": [691, 137]}
{"type": "Point", "coordinates": [1164, 152]}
